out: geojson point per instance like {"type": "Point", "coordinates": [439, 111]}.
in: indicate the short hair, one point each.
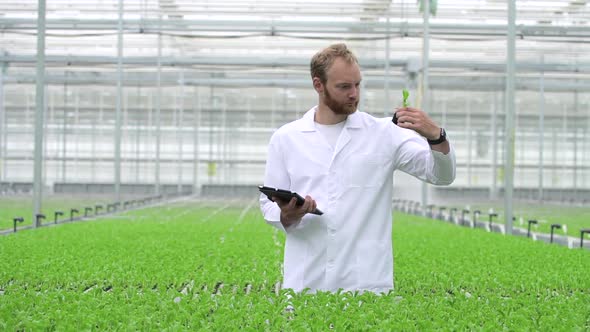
{"type": "Point", "coordinates": [323, 60]}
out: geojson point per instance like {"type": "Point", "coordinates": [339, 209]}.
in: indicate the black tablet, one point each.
{"type": "Point", "coordinates": [284, 195]}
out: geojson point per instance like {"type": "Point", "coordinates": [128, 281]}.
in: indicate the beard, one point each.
{"type": "Point", "coordinates": [337, 107]}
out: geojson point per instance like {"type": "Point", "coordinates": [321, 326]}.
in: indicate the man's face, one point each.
{"type": "Point", "coordinates": [342, 89]}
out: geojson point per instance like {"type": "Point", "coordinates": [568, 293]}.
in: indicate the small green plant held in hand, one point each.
{"type": "Point", "coordinates": [406, 94]}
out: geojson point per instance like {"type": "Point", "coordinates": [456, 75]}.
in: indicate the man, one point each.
{"type": "Point", "coordinates": [343, 160]}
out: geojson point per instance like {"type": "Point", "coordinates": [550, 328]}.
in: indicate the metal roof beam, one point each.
{"type": "Point", "coordinates": [277, 62]}
{"type": "Point", "coordinates": [273, 27]}
{"type": "Point", "coordinates": [372, 82]}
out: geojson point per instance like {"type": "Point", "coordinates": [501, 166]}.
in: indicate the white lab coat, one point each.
{"type": "Point", "coordinates": [349, 247]}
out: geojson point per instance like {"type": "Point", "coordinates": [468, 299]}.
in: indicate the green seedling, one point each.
{"type": "Point", "coordinates": [406, 94]}
{"type": "Point", "coordinates": [49, 280]}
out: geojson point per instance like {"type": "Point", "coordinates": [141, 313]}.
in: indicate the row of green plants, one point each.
{"type": "Point", "coordinates": [22, 206]}
{"type": "Point", "coordinates": [17, 211]}
{"type": "Point", "coordinates": [204, 266]}
{"type": "Point", "coordinates": [574, 218]}
{"type": "Point", "coordinates": [571, 218]}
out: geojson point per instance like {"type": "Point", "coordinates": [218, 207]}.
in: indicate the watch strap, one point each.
{"type": "Point", "coordinates": [442, 138]}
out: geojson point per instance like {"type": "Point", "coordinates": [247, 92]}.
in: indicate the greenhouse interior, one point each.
{"type": "Point", "coordinates": [146, 124]}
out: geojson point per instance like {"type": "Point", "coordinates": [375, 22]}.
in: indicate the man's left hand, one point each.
{"type": "Point", "coordinates": [417, 120]}
{"type": "Point", "coordinates": [420, 122]}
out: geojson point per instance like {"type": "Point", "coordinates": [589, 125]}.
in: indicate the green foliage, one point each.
{"type": "Point", "coordinates": [197, 266]}
{"type": "Point", "coordinates": [11, 207]}
{"type": "Point", "coordinates": [405, 94]}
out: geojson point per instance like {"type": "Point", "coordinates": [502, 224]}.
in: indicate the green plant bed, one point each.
{"type": "Point", "coordinates": [193, 266]}
{"type": "Point", "coordinates": [11, 207]}
{"type": "Point", "coordinates": [22, 206]}
{"type": "Point", "coordinates": [574, 217]}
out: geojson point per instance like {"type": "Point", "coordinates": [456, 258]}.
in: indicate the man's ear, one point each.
{"type": "Point", "coordinates": [317, 85]}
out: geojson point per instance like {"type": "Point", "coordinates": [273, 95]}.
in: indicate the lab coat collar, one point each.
{"type": "Point", "coordinates": [352, 121]}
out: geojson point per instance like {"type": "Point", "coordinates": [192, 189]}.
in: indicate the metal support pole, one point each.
{"type": "Point", "coordinates": [387, 109]}
{"type": "Point", "coordinates": [56, 138]}
{"type": "Point", "coordinates": [425, 83]}
{"type": "Point", "coordinates": [197, 122]}
{"type": "Point", "coordinates": [2, 123]}
{"type": "Point", "coordinates": [76, 129]}
{"type": "Point", "coordinates": [100, 121]}
{"type": "Point", "coordinates": [39, 114]}
{"type": "Point", "coordinates": [138, 118]}
{"type": "Point", "coordinates": [224, 144]}
{"type": "Point", "coordinates": [64, 135]}
{"type": "Point", "coordinates": [48, 119]}
{"type": "Point", "coordinates": [585, 154]}
{"type": "Point", "coordinates": [469, 143]}
{"type": "Point", "coordinates": [211, 166]}
{"type": "Point", "coordinates": [117, 165]}
{"type": "Point", "coordinates": [125, 155]}
{"type": "Point", "coordinates": [541, 129]}
{"type": "Point", "coordinates": [510, 110]}
{"type": "Point", "coordinates": [575, 143]}
{"type": "Point", "coordinates": [564, 145]}
{"type": "Point", "coordinates": [158, 106]}
{"type": "Point", "coordinates": [554, 179]}
{"type": "Point", "coordinates": [494, 121]}
{"type": "Point", "coordinates": [93, 143]}
{"type": "Point", "coordinates": [179, 133]}
{"type": "Point", "coordinates": [149, 132]}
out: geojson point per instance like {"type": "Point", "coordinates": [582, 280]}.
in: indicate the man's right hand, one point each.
{"type": "Point", "coordinates": [291, 213]}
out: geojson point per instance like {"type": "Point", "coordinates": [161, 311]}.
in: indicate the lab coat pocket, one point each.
{"type": "Point", "coordinates": [373, 261]}
{"type": "Point", "coordinates": [366, 170]}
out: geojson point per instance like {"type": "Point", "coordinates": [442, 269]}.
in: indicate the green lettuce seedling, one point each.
{"type": "Point", "coordinates": [406, 94]}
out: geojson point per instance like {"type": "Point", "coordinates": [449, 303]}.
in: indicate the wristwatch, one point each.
{"type": "Point", "coordinates": [442, 138]}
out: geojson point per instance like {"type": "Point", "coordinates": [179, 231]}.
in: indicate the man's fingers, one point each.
{"type": "Point", "coordinates": [310, 204]}
{"type": "Point", "coordinates": [285, 204]}
{"type": "Point", "coordinates": [409, 115]}
{"type": "Point", "coordinates": [417, 120]}
{"type": "Point", "coordinates": [292, 203]}
{"type": "Point", "coordinates": [404, 117]}
{"type": "Point", "coordinates": [296, 211]}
